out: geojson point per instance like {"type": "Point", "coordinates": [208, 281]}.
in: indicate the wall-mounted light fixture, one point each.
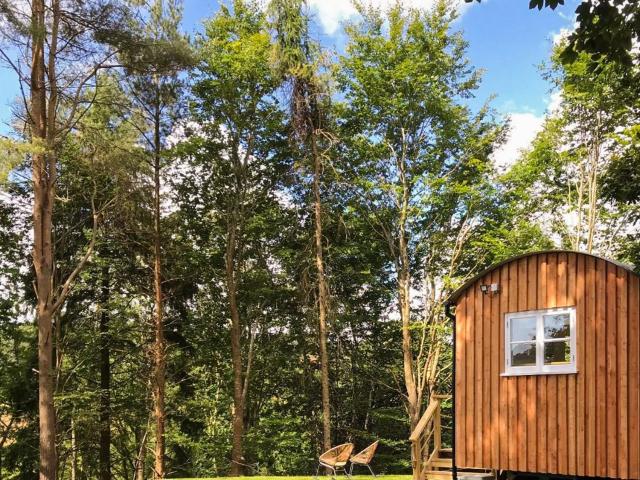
{"type": "Point", "coordinates": [493, 289]}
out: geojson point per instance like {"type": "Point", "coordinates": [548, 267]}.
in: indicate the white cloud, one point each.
{"type": "Point", "coordinates": [332, 12]}
{"type": "Point", "coordinates": [560, 36]}
{"type": "Point", "coordinates": [524, 126]}
{"type": "Point", "coordinates": [554, 102]}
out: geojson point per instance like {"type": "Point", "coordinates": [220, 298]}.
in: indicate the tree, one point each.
{"type": "Point", "coordinates": [562, 176]}
{"type": "Point", "coordinates": [418, 169]}
{"type": "Point", "coordinates": [155, 90]}
{"type": "Point", "coordinates": [65, 46]}
{"type": "Point", "coordinates": [297, 65]}
{"type": "Point", "coordinates": [238, 122]}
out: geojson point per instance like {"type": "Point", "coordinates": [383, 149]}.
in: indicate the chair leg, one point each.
{"type": "Point", "coordinates": [371, 470]}
{"type": "Point", "coordinates": [317, 475]}
{"type": "Point", "coordinates": [348, 473]}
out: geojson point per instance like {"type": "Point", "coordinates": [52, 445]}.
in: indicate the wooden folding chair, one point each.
{"type": "Point", "coordinates": [364, 458]}
{"type": "Point", "coordinates": [335, 459]}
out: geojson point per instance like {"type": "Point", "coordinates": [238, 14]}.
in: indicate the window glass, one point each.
{"type": "Point", "coordinates": [540, 342]}
{"type": "Point", "coordinates": [523, 354]}
{"type": "Point", "coordinates": [523, 329]}
{"type": "Point", "coordinates": [557, 353]}
{"type": "Point", "coordinates": [556, 326]}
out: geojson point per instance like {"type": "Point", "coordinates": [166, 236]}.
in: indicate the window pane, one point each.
{"type": "Point", "coordinates": [523, 354]}
{"type": "Point", "coordinates": [556, 353]}
{"type": "Point", "coordinates": [556, 326]}
{"type": "Point", "coordinates": [523, 329]}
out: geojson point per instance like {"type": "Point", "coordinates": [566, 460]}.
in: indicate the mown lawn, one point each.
{"type": "Point", "coordinates": [309, 477]}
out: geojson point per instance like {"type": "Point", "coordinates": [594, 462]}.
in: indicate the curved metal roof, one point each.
{"type": "Point", "coordinates": [456, 294]}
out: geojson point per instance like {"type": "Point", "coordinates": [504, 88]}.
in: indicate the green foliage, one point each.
{"type": "Point", "coordinates": [403, 153]}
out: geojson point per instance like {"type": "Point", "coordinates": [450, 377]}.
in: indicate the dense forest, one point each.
{"type": "Point", "coordinates": [224, 254]}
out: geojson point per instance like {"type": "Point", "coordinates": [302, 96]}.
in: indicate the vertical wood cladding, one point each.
{"type": "Point", "coordinates": [585, 424]}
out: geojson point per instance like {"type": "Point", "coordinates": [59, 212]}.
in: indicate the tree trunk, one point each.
{"type": "Point", "coordinates": [404, 304]}
{"type": "Point", "coordinates": [594, 159]}
{"type": "Point", "coordinates": [323, 295]}
{"type": "Point", "coordinates": [43, 173]}
{"type": "Point", "coordinates": [105, 380]}
{"type": "Point", "coordinates": [159, 350]}
{"type": "Point", "coordinates": [142, 453]}
{"type": "Point", "coordinates": [237, 454]}
{"type": "Point", "coordinates": [74, 452]}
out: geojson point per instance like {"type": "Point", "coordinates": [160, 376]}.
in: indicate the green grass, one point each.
{"type": "Point", "coordinates": [309, 477]}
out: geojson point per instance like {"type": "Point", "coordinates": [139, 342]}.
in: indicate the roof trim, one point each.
{"type": "Point", "coordinates": [458, 292]}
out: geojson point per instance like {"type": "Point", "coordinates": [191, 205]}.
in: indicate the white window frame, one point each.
{"type": "Point", "coordinates": [540, 368]}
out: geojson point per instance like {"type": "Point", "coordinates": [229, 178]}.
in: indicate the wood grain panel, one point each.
{"type": "Point", "coordinates": [563, 410]}
{"type": "Point", "coordinates": [502, 381]}
{"type": "Point", "coordinates": [485, 321]}
{"type": "Point", "coordinates": [591, 366]}
{"type": "Point", "coordinates": [571, 379]}
{"type": "Point", "coordinates": [470, 385]}
{"type": "Point", "coordinates": [581, 333]}
{"type": "Point", "coordinates": [532, 431]}
{"type": "Point", "coordinates": [512, 382]}
{"type": "Point", "coordinates": [612, 372]}
{"type": "Point", "coordinates": [623, 373]}
{"type": "Point", "coordinates": [634, 376]}
{"type": "Point", "coordinates": [495, 374]}
{"type": "Point", "coordinates": [552, 380]}
{"type": "Point", "coordinates": [542, 446]}
{"type": "Point", "coordinates": [584, 424]}
{"type": "Point", "coordinates": [601, 368]}
{"type": "Point", "coordinates": [461, 379]}
{"type": "Point", "coordinates": [478, 372]}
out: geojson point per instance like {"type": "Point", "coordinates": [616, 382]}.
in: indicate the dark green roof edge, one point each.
{"type": "Point", "coordinates": [456, 294]}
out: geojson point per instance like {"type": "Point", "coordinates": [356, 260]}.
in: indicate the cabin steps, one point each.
{"type": "Point", "coordinates": [447, 475]}
{"type": "Point", "coordinates": [430, 460]}
{"type": "Point", "coordinates": [441, 463]}
{"type": "Point", "coordinates": [439, 468]}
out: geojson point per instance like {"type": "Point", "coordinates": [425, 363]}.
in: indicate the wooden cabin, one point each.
{"type": "Point", "coordinates": [547, 370]}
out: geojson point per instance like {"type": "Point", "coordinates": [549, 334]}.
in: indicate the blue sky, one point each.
{"type": "Point", "coordinates": [506, 39]}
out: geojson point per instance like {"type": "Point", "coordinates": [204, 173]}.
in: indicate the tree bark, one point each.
{"type": "Point", "coordinates": [74, 452]}
{"type": "Point", "coordinates": [594, 159]}
{"type": "Point", "coordinates": [323, 295]}
{"type": "Point", "coordinates": [159, 350]}
{"type": "Point", "coordinates": [141, 456]}
{"type": "Point", "coordinates": [43, 173]}
{"type": "Point", "coordinates": [233, 252]}
{"type": "Point", "coordinates": [404, 303]}
{"type": "Point", "coordinates": [105, 379]}
{"type": "Point", "coordinates": [237, 454]}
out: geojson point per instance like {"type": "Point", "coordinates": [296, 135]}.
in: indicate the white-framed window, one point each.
{"type": "Point", "coordinates": [540, 342]}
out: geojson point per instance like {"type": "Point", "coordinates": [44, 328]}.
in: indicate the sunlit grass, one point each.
{"type": "Point", "coordinates": [308, 477]}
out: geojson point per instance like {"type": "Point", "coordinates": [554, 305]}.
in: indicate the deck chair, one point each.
{"type": "Point", "coordinates": [364, 458]}
{"type": "Point", "coordinates": [335, 459]}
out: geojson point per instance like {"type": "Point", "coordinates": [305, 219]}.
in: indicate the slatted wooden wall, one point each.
{"type": "Point", "coordinates": [585, 424]}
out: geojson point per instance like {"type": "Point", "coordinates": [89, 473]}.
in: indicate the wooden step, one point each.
{"type": "Point", "coordinates": [437, 475]}
{"type": "Point", "coordinates": [441, 463]}
{"type": "Point", "coordinates": [446, 474]}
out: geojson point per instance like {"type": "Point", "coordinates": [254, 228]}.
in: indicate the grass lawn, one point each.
{"type": "Point", "coordinates": [309, 477]}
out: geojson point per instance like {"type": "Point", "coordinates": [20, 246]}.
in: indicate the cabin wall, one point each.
{"type": "Point", "coordinates": [585, 424]}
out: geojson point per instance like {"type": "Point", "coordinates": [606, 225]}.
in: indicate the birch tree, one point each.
{"type": "Point", "coordinates": [418, 166]}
